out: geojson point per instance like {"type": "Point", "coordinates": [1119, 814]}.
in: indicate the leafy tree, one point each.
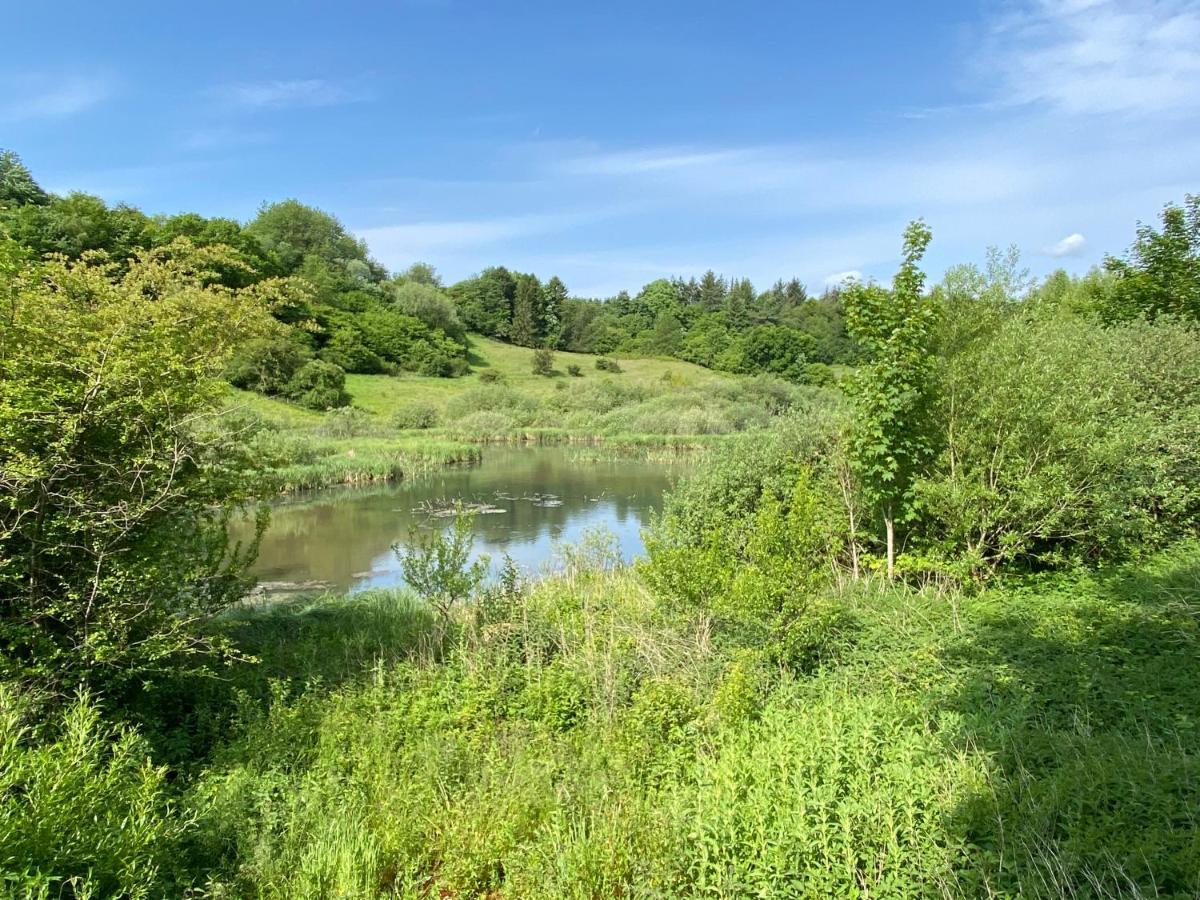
{"type": "Point", "coordinates": [485, 303]}
{"type": "Point", "coordinates": [420, 273]}
{"type": "Point", "coordinates": [667, 336]}
{"type": "Point", "coordinates": [318, 384]}
{"type": "Point", "coordinates": [113, 478]}
{"type": "Point", "coordinates": [770, 349]}
{"type": "Point", "coordinates": [267, 364]}
{"type": "Point", "coordinates": [892, 439]}
{"type": "Point", "coordinates": [77, 223]}
{"type": "Point", "coordinates": [17, 187]}
{"type": "Point", "coordinates": [292, 231]}
{"type": "Point", "coordinates": [1161, 273]}
{"type": "Point", "coordinates": [429, 304]}
{"type": "Point", "coordinates": [345, 348]}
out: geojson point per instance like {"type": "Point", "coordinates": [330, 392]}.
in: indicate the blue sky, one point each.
{"type": "Point", "coordinates": [613, 143]}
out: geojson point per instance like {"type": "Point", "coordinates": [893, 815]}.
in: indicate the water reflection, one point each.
{"type": "Point", "coordinates": [545, 495]}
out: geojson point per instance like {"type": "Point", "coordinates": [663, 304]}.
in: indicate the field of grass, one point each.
{"type": "Point", "coordinates": [578, 739]}
{"type": "Point", "coordinates": [382, 395]}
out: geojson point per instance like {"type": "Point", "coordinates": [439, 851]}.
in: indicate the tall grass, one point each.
{"type": "Point", "coordinates": [577, 739]}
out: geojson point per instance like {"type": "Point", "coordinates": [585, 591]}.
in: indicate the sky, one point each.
{"type": "Point", "coordinates": [614, 143]}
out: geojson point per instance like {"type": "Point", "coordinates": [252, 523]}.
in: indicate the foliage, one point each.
{"type": "Point", "coordinates": [892, 439]}
{"type": "Point", "coordinates": [415, 414]}
{"type": "Point", "coordinates": [437, 564]}
{"type": "Point", "coordinates": [1042, 461]}
{"type": "Point", "coordinates": [543, 361]}
{"type": "Point", "coordinates": [429, 304]}
{"type": "Point", "coordinates": [83, 812]}
{"type": "Point", "coordinates": [17, 186]}
{"type": "Point", "coordinates": [318, 385]}
{"type": "Point", "coordinates": [291, 231]}
{"type": "Point", "coordinates": [1161, 274]}
{"type": "Point", "coordinates": [604, 364]}
{"type": "Point", "coordinates": [111, 532]}
{"type": "Point", "coordinates": [267, 364]}
{"type": "Point", "coordinates": [575, 370]}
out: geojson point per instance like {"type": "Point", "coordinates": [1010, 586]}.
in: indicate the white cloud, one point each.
{"type": "Point", "coordinates": [400, 244]}
{"type": "Point", "coordinates": [1099, 56]}
{"type": "Point", "coordinates": [285, 94]}
{"type": "Point", "coordinates": [40, 98]}
{"type": "Point", "coordinates": [1071, 245]}
{"type": "Point", "coordinates": [839, 278]}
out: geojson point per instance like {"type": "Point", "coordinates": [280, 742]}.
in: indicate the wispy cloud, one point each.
{"type": "Point", "coordinates": [1099, 56]}
{"type": "Point", "coordinates": [30, 98]}
{"type": "Point", "coordinates": [286, 94]}
{"type": "Point", "coordinates": [423, 240]}
{"type": "Point", "coordinates": [1071, 245]}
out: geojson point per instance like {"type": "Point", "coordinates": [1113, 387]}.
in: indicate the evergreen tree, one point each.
{"type": "Point", "coordinates": [527, 306]}
{"type": "Point", "coordinates": [554, 301]}
{"type": "Point", "coordinates": [712, 291]}
{"type": "Point", "coordinates": [738, 303]}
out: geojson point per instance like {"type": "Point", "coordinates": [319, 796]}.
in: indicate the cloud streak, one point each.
{"type": "Point", "coordinates": [285, 94]}
{"type": "Point", "coordinates": [41, 98]}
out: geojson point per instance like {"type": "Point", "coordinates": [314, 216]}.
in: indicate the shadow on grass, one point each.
{"type": "Point", "coordinates": [1084, 696]}
{"type": "Point", "coordinates": [308, 644]}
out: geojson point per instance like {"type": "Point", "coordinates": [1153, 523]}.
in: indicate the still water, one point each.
{"type": "Point", "coordinates": [540, 497]}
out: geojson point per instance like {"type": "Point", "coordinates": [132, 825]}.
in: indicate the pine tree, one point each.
{"type": "Point", "coordinates": [527, 304]}
{"type": "Point", "coordinates": [712, 291]}
{"type": "Point", "coordinates": [554, 298]}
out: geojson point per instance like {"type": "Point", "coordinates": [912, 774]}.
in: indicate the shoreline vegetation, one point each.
{"type": "Point", "coordinates": [394, 425]}
{"type": "Point", "coordinates": [924, 624]}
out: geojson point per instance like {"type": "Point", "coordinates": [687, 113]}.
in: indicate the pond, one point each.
{"type": "Point", "coordinates": [536, 498]}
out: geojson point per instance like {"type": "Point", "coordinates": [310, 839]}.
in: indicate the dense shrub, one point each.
{"type": "Point", "coordinates": [415, 414]}
{"type": "Point", "coordinates": [1044, 462]}
{"type": "Point", "coordinates": [543, 361]}
{"type": "Point", "coordinates": [267, 365]}
{"type": "Point", "coordinates": [318, 385]}
{"type": "Point", "coordinates": [112, 480]}
{"type": "Point", "coordinates": [574, 370]}
{"type": "Point", "coordinates": [604, 364]}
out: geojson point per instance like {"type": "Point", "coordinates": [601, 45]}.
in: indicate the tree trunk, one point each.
{"type": "Point", "coordinates": [890, 524]}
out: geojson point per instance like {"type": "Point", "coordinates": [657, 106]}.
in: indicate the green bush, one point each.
{"type": "Point", "coordinates": [415, 414]}
{"type": "Point", "coordinates": [267, 365]}
{"type": "Point", "coordinates": [490, 376]}
{"type": "Point", "coordinates": [543, 361]}
{"type": "Point", "coordinates": [605, 364]}
{"type": "Point", "coordinates": [574, 371]}
{"type": "Point", "coordinates": [318, 385]}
